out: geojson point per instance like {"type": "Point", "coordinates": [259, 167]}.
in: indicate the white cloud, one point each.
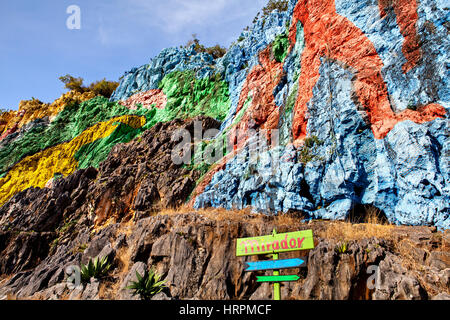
{"type": "Point", "coordinates": [127, 22]}
{"type": "Point", "coordinates": [176, 15]}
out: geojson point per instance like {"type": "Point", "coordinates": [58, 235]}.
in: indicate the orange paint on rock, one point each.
{"type": "Point", "coordinates": [328, 34]}
{"type": "Point", "coordinates": [200, 188]}
{"type": "Point", "coordinates": [149, 98]}
{"type": "Point", "coordinates": [262, 113]}
{"type": "Point", "coordinates": [407, 17]}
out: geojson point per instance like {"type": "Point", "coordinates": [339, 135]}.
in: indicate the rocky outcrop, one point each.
{"type": "Point", "coordinates": [137, 178]}
{"type": "Point", "coordinates": [357, 93]}
{"type": "Point", "coordinates": [58, 160]}
{"type": "Point", "coordinates": [351, 98]}
{"type": "Point", "coordinates": [350, 148]}
{"type": "Point", "coordinates": [328, 110]}
{"type": "Point", "coordinates": [195, 254]}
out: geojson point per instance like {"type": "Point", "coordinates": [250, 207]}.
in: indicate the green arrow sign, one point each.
{"type": "Point", "coordinates": [275, 243]}
{"type": "Point", "coordinates": [277, 278]}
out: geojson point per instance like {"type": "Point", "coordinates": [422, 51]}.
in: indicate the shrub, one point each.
{"type": "Point", "coordinates": [103, 87]}
{"type": "Point", "coordinates": [72, 83]}
{"type": "Point", "coordinates": [341, 248]}
{"type": "Point", "coordinates": [147, 285]}
{"type": "Point", "coordinates": [216, 51]}
{"type": "Point", "coordinates": [96, 268]}
{"type": "Point", "coordinates": [280, 5]}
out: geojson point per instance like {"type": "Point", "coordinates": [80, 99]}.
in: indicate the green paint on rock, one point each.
{"type": "Point", "coordinates": [69, 123]}
{"type": "Point", "coordinates": [91, 155]}
{"type": "Point", "coordinates": [188, 97]}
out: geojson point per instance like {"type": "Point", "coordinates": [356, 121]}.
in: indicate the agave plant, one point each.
{"type": "Point", "coordinates": [147, 285]}
{"type": "Point", "coordinates": [96, 268]}
{"type": "Point", "coordinates": [341, 247]}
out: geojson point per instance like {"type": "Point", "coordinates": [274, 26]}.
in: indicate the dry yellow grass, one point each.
{"type": "Point", "coordinates": [346, 231]}
{"type": "Point", "coordinates": [109, 289]}
{"type": "Point", "coordinates": [217, 214]}
{"type": "Point", "coordinates": [373, 226]}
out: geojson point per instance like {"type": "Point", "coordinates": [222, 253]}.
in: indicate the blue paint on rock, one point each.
{"type": "Point", "coordinates": [406, 175]}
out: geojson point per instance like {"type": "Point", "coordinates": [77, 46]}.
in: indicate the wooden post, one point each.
{"type": "Point", "coordinates": [276, 285]}
{"type": "Point", "coordinates": [273, 245]}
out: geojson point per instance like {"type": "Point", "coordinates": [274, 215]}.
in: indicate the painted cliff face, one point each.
{"type": "Point", "coordinates": [357, 138]}
{"type": "Point", "coordinates": [357, 89]}
{"type": "Point", "coordinates": [332, 36]}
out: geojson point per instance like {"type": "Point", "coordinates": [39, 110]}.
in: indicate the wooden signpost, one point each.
{"type": "Point", "coordinates": [275, 244]}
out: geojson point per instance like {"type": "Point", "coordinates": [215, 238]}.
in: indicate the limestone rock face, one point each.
{"type": "Point", "coordinates": [350, 100]}
{"type": "Point", "coordinates": [331, 110]}
{"type": "Point", "coordinates": [380, 142]}
{"type": "Point", "coordinates": [195, 255]}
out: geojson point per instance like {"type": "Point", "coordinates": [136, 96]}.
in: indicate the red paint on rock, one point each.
{"type": "Point", "coordinates": [14, 128]}
{"type": "Point", "coordinates": [328, 34]}
{"type": "Point", "coordinates": [148, 99]}
{"type": "Point", "coordinates": [262, 113]}
{"type": "Point", "coordinates": [407, 17]}
{"type": "Point", "coordinates": [9, 131]}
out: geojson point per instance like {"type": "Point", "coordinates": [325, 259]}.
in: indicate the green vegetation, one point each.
{"type": "Point", "coordinates": [103, 87]}
{"type": "Point", "coordinates": [307, 151]}
{"type": "Point", "coordinates": [147, 285]}
{"type": "Point", "coordinates": [272, 5]}
{"type": "Point", "coordinates": [96, 268]}
{"type": "Point", "coordinates": [312, 141]}
{"type": "Point", "coordinates": [69, 123]}
{"type": "Point", "coordinates": [216, 51]}
{"type": "Point", "coordinates": [341, 248]}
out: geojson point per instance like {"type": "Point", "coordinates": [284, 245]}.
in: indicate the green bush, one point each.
{"type": "Point", "coordinates": [147, 285]}
{"type": "Point", "coordinates": [103, 87]}
{"type": "Point", "coordinates": [280, 5]}
{"type": "Point", "coordinates": [216, 51]}
{"type": "Point", "coordinates": [96, 268]}
{"type": "Point", "coordinates": [341, 248]}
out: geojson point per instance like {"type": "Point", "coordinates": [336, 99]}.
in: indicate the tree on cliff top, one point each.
{"type": "Point", "coordinates": [216, 51]}
{"type": "Point", "coordinates": [280, 5]}
{"type": "Point", "coordinates": [102, 87]}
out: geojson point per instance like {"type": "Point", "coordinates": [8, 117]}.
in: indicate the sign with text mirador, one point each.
{"type": "Point", "coordinates": [275, 243]}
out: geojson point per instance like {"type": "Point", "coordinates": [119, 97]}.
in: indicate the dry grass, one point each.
{"type": "Point", "coordinates": [373, 226]}
{"type": "Point", "coordinates": [109, 289]}
{"type": "Point", "coordinates": [10, 296]}
{"type": "Point", "coordinates": [217, 214]}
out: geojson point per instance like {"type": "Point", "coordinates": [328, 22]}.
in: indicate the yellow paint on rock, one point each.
{"type": "Point", "coordinates": [30, 110]}
{"type": "Point", "coordinates": [36, 170]}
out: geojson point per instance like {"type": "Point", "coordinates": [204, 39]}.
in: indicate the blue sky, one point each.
{"type": "Point", "coordinates": [115, 35]}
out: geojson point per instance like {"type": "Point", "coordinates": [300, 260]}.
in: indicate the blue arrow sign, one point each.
{"type": "Point", "coordinates": [274, 264]}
